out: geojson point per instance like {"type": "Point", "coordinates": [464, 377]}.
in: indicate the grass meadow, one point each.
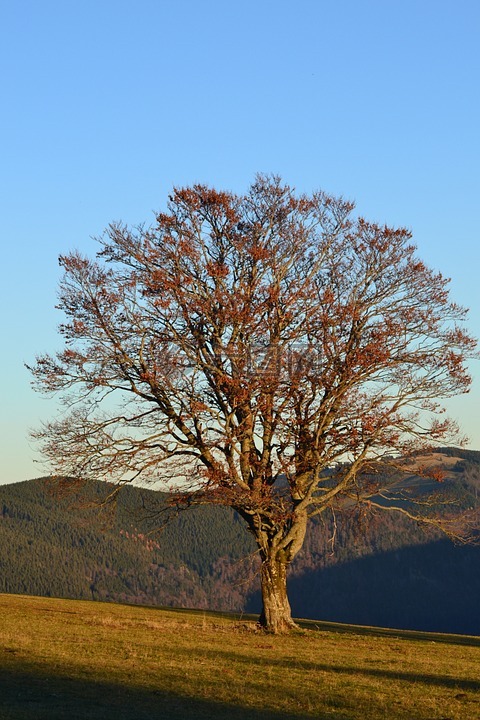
{"type": "Point", "coordinates": [97, 661]}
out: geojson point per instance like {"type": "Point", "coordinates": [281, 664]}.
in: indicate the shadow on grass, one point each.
{"type": "Point", "coordinates": [309, 667]}
{"type": "Point", "coordinates": [31, 695]}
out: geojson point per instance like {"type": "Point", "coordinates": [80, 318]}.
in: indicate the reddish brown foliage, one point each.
{"type": "Point", "coordinates": [255, 344]}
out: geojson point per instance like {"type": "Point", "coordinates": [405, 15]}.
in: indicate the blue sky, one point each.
{"type": "Point", "coordinates": [106, 104]}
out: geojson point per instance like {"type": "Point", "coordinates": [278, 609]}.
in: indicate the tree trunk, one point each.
{"type": "Point", "coordinates": [276, 614]}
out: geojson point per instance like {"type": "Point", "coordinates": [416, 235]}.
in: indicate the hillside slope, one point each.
{"type": "Point", "coordinates": [386, 572]}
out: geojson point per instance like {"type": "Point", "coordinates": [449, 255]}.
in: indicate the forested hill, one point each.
{"type": "Point", "coordinates": [69, 546]}
{"type": "Point", "coordinates": [384, 572]}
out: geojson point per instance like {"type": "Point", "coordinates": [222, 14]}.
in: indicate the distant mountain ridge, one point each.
{"type": "Point", "coordinates": [386, 572]}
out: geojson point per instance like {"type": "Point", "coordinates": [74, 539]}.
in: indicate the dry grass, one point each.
{"type": "Point", "coordinates": [79, 660]}
{"type": "Point", "coordinates": [437, 460]}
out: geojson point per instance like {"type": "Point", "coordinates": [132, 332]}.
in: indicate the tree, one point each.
{"type": "Point", "coordinates": [266, 351]}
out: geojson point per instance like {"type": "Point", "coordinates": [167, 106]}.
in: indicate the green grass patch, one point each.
{"type": "Point", "coordinates": [78, 660]}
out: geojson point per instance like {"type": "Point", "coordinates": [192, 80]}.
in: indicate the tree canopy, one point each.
{"type": "Point", "coordinates": [263, 352]}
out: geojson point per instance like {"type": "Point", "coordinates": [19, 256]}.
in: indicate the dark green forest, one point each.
{"type": "Point", "coordinates": [379, 570]}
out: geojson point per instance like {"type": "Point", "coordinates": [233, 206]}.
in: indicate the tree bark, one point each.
{"type": "Point", "coordinates": [276, 616]}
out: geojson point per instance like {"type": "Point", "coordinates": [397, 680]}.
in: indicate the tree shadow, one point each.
{"type": "Point", "coordinates": [33, 695]}
{"type": "Point", "coordinates": [445, 681]}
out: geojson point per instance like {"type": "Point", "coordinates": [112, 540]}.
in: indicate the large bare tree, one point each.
{"type": "Point", "coordinates": [262, 352]}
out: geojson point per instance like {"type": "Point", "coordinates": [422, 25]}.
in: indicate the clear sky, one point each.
{"type": "Point", "coordinates": [106, 104]}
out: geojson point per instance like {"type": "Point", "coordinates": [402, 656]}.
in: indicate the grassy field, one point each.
{"type": "Point", "coordinates": [86, 660]}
